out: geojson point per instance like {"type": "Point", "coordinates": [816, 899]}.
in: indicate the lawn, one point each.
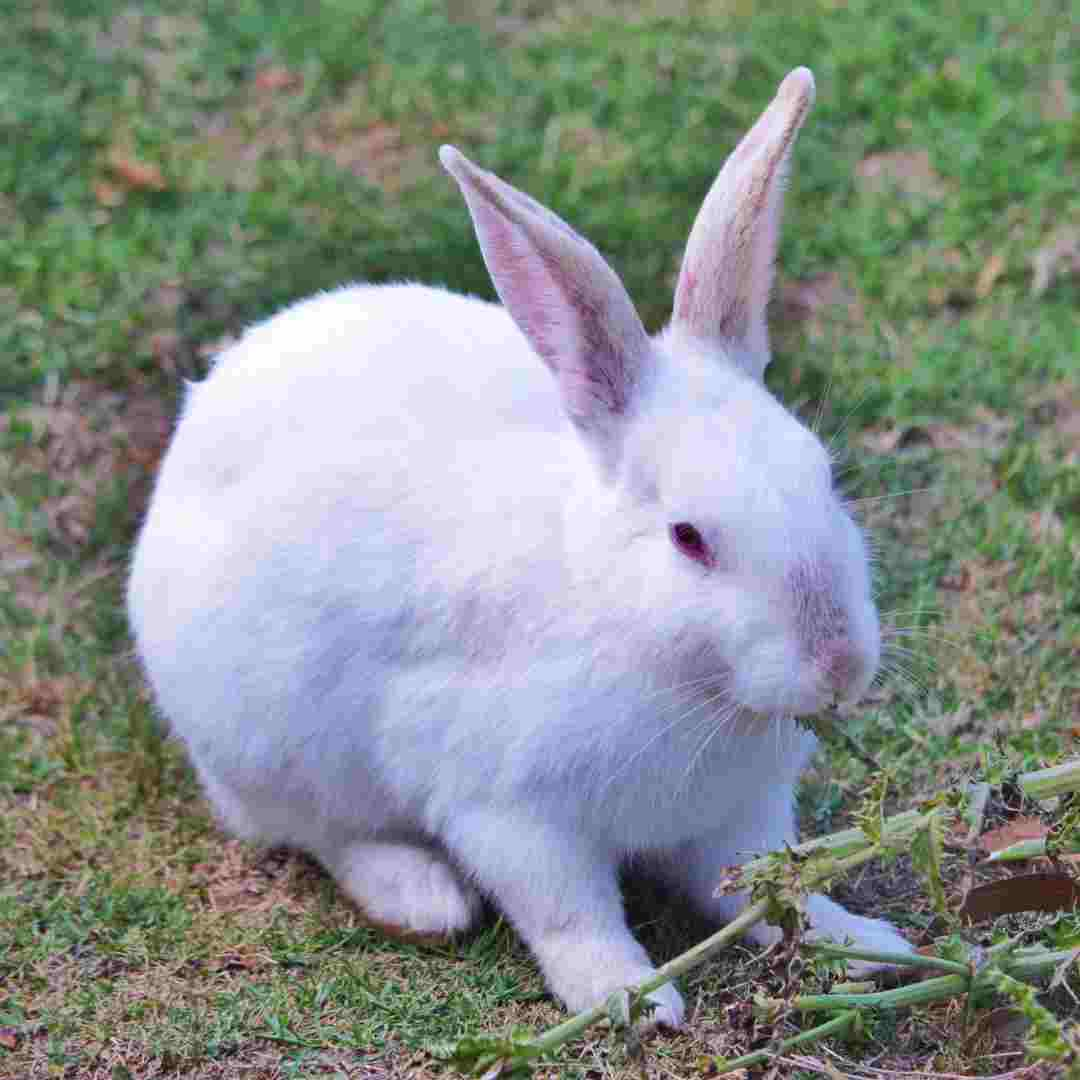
{"type": "Point", "coordinates": [172, 172]}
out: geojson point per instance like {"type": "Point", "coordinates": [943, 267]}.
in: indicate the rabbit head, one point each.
{"type": "Point", "coordinates": [708, 510]}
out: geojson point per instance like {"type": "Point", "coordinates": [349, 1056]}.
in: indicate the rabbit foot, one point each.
{"type": "Point", "coordinates": [585, 975]}
{"type": "Point", "coordinates": [407, 890]}
{"type": "Point", "coordinates": [829, 920]}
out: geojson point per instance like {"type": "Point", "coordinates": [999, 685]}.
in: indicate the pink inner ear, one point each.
{"type": "Point", "coordinates": [687, 285]}
{"type": "Point", "coordinates": [566, 300]}
{"type": "Point", "coordinates": [726, 275]}
{"type": "Point", "coordinates": [563, 325]}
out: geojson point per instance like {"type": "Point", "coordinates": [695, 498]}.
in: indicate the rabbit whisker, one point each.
{"type": "Point", "coordinates": [666, 729]}
{"type": "Point", "coordinates": [718, 722]}
{"type": "Point", "coordinates": [862, 501]}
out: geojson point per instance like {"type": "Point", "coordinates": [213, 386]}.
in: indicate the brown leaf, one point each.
{"type": "Point", "coordinates": [274, 79]}
{"type": "Point", "coordinates": [994, 268]}
{"type": "Point", "coordinates": [1057, 101]}
{"type": "Point", "coordinates": [938, 435]}
{"type": "Point", "coordinates": [138, 175]}
{"type": "Point", "coordinates": [1026, 892]}
{"type": "Point", "coordinates": [236, 962]}
{"type": "Point", "coordinates": [165, 348]}
{"type": "Point", "coordinates": [882, 440]}
{"type": "Point", "coordinates": [108, 194]}
{"type": "Point", "coordinates": [958, 582]}
{"type": "Point", "coordinates": [9, 1038]}
{"type": "Point", "coordinates": [804, 300]}
{"type": "Point", "coordinates": [908, 170]}
{"type": "Point", "coordinates": [1021, 828]}
{"type": "Point", "coordinates": [1060, 254]}
{"type": "Point", "coordinates": [1033, 719]}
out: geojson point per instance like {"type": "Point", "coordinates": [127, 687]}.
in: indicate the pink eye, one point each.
{"type": "Point", "coordinates": [691, 543]}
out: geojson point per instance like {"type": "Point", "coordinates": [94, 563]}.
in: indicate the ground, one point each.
{"type": "Point", "coordinates": [170, 172]}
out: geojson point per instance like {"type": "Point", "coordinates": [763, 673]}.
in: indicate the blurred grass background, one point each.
{"type": "Point", "coordinates": [171, 172]}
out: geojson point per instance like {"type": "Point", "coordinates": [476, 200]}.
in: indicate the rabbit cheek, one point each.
{"type": "Point", "coordinates": [699, 657]}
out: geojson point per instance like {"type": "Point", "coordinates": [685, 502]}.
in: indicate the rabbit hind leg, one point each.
{"type": "Point", "coordinates": [403, 886]}
{"type": "Point", "coordinates": [230, 808]}
{"type": "Point", "coordinates": [406, 889]}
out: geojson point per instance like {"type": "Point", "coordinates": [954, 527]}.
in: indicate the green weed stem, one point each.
{"type": "Point", "coordinates": [831, 1027]}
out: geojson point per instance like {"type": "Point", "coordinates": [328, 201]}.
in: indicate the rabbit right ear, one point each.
{"type": "Point", "coordinates": [565, 299]}
{"type": "Point", "coordinates": [727, 271]}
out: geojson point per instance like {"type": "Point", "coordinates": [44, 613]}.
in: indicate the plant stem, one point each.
{"type": "Point", "coordinates": [849, 848]}
{"type": "Point", "coordinates": [830, 1027]}
{"type": "Point", "coordinates": [839, 852]}
{"type": "Point", "coordinates": [1022, 963]}
{"type": "Point", "coordinates": [1034, 961]}
{"type": "Point", "coordinates": [1022, 849]}
{"type": "Point", "coordinates": [904, 997]}
{"type": "Point", "coordinates": [576, 1025]}
{"type": "Point", "coordinates": [896, 828]}
{"type": "Point", "coordinates": [1027, 849]}
{"type": "Point", "coordinates": [1054, 781]}
{"type": "Point", "coordinates": [914, 960]}
{"type": "Point", "coordinates": [978, 797]}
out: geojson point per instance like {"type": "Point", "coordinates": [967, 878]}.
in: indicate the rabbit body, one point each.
{"type": "Point", "coordinates": [414, 605]}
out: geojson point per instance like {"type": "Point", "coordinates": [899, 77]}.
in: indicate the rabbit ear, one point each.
{"type": "Point", "coordinates": [727, 271]}
{"type": "Point", "coordinates": [565, 299]}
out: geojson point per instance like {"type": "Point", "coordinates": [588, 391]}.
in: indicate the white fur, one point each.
{"type": "Point", "coordinates": [411, 601]}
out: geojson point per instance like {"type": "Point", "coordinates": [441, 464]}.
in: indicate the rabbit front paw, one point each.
{"type": "Point", "coordinates": [829, 920]}
{"type": "Point", "coordinates": [585, 977]}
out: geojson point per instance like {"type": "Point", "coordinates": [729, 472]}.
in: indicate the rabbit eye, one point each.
{"type": "Point", "coordinates": [691, 543]}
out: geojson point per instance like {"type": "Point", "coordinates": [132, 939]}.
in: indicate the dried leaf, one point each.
{"type": "Point", "coordinates": [940, 436]}
{"type": "Point", "coordinates": [803, 298]}
{"type": "Point", "coordinates": [908, 170]}
{"type": "Point", "coordinates": [1026, 892]}
{"type": "Point", "coordinates": [236, 962]}
{"type": "Point", "coordinates": [1057, 101]}
{"type": "Point", "coordinates": [165, 348]}
{"type": "Point", "coordinates": [1033, 719]}
{"type": "Point", "coordinates": [958, 582]}
{"type": "Point", "coordinates": [138, 175]}
{"type": "Point", "coordinates": [9, 1038]}
{"type": "Point", "coordinates": [988, 275]}
{"type": "Point", "coordinates": [274, 79]}
{"type": "Point", "coordinates": [882, 440]}
{"type": "Point", "coordinates": [818, 303]}
{"type": "Point", "coordinates": [108, 194]}
{"type": "Point", "coordinates": [1021, 828]}
{"type": "Point", "coordinates": [1061, 254]}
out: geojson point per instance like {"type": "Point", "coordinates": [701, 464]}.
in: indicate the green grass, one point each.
{"type": "Point", "coordinates": [289, 147]}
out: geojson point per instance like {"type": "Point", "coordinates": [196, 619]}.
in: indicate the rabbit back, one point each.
{"type": "Point", "coordinates": [322, 526]}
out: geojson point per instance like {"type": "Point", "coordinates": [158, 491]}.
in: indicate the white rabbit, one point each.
{"type": "Point", "coordinates": [459, 625]}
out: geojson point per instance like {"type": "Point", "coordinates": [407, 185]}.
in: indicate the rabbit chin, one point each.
{"type": "Point", "coordinates": [798, 687]}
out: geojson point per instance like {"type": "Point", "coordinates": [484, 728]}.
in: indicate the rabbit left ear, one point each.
{"type": "Point", "coordinates": [565, 299]}
{"type": "Point", "coordinates": [727, 271]}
